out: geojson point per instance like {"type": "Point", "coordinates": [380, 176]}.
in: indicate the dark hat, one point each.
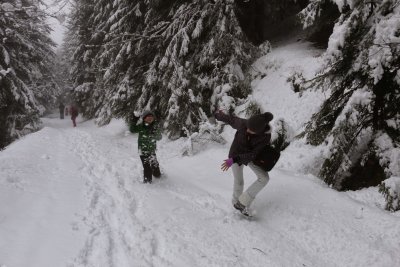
{"type": "Point", "coordinates": [147, 113]}
{"type": "Point", "coordinates": [259, 123]}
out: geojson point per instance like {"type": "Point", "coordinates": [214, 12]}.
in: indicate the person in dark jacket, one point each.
{"type": "Point", "coordinates": [74, 113]}
{"type": "Point", "coordinates": [149, 134]}
{"type": "Point", "coordinates": [251, 137]}
{"type": "Point", "coordinates": [61, 109]}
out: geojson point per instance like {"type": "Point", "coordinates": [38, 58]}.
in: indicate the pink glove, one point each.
{"type": "Point", "coordinates": [220, 111]}
{"type": "Point", "coordinates": [227, 164]}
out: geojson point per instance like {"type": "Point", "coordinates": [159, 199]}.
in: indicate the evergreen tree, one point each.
{"type": "Point", "coordinates": [390, 189]}
{"type": "Point", "coordinates": [80, 44]}
{"type": "Point", "coordinates": [61, 71]}
{"type": "Point", "coordinates": [179, 58]}
{"type": "Point", "coordinates": [24, 60]}
{"type": "Point", "coordinates": [360, 121]}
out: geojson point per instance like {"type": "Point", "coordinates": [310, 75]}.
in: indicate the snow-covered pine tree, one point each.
{"type": "Point", "coordinates": [100, 33]}
{"type": "Point", "coordinates": [390, 188]}
{"type": "Point", "coordinates": [204, 57]}
{"type": "Point", "coordinates": [121, 28]}
{"type": "Point", "coordinates": [360, 121]}
{"type": "Point", "coordinates": [179, 58]}
{"type": "Point", "coordinates": [25, 55]}
{"type": "Point", "coordinates": [78, 38]}
{"type": "Point", "coordinates": [61, 72]}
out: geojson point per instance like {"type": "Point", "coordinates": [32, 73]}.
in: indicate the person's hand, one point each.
{"type": "Point", "coordinates": [134, 119]}
{"type": "Point", "coordinates": [218, 112]}
{"type": "Point", "coordinates": [227, 164]}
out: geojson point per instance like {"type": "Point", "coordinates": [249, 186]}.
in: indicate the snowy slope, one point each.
{"type": "Point", "coordinates": [274, 93]}
{"type": "Point", "coordinates": [74, 197]}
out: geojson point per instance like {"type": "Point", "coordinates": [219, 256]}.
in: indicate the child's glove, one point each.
{"type": "Point", "coordinates": [227, 164]}
{"type": "Point", "coordinates": [134, 119]}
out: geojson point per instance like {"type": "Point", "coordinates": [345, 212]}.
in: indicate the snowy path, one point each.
{"type": "Point", "coordinates": [41, 189]}
{"type": "Point", "coordinates": [73, 197]}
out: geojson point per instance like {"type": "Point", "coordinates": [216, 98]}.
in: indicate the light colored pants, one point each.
{"type": "Point", "coordinates": [247, 197]}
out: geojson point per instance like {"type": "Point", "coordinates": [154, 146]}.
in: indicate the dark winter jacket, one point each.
{"type": "Point", "coordinates": [245, 147]}
{"type": "Point", "coordinates": [61, 107]}
{"type": "Point", "coordinates": [74, 112]}
{"type": "Point", "coordinates": [148, 136]}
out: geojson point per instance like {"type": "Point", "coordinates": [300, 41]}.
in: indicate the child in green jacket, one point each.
{"type": "Point", "coordinates": [149, 134]}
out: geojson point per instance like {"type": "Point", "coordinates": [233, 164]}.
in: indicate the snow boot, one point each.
{"type": "Point", "coordinates": [157, 172]}
{"type": "Point", "coordinates": [147, 181]}
{"type": "Point", "coordinates": [242, 208]}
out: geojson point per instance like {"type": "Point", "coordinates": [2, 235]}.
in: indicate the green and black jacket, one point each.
{"type": "Point", "coordinates": [148, 136]}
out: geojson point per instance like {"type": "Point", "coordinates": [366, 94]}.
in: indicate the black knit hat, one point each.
{"type": "Point", "coordinates": [259, 123]}
{"type": "Point", "coordinates": [147, 113]}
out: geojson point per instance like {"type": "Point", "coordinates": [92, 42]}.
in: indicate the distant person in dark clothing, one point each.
{"type": "Point", "coordinates": [61, 109]}
{"type": "Point", "coordinates": [74, 113]}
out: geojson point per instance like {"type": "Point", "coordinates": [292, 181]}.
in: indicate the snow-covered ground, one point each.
{"type": "Point", "coordinates": [74, 197]}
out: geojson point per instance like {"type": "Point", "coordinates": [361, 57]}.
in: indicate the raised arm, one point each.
{"type": "Point", "coordinates": [233, 121]}
{"type": "Point", "coordinates": [134, 127]}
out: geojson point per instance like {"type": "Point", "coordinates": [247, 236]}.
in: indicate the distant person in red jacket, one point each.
{"type": "Point", "coordinates": [74, 113]}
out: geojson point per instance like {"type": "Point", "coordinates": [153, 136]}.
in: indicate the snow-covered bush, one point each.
{"type": "Point", "coordinates": [282, 134]}
{"type": "Point", "coordinates": [297, 82]}
{"type": "Point", "coordinates": [390, 188]}
{"type": "Point", "coordinates": [265, 48]}
{"type": "Point", "coordinates": [207, 135]}
{"type": "Point", "coordinates": [249, 108]}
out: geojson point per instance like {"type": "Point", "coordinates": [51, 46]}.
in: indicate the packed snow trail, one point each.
{"type": "Point", "coordinates": [74, 197]}
{"type": "Point", "coordinates": [41, 190]}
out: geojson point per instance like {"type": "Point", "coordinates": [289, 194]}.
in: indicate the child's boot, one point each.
{"type": "Point", "coordinates": [147, 181]}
